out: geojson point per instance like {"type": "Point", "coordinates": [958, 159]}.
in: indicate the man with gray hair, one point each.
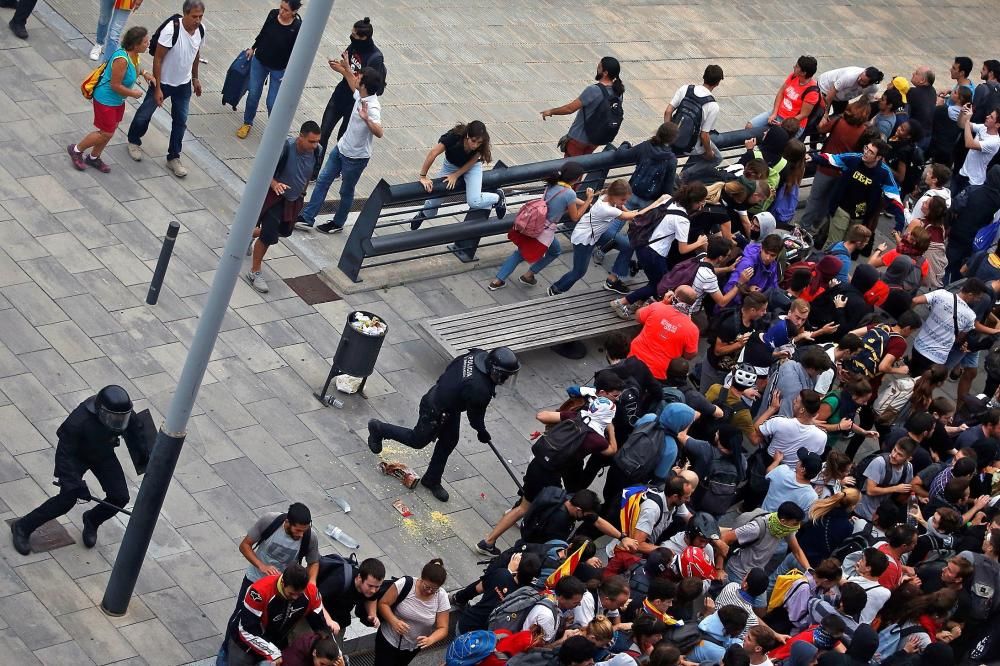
{"type": "Point", "coordinates": [175, 71]}
{"type": "Point", "coordinates": [922, 99]}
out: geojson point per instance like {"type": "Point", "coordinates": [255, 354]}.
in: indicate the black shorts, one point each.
{"type": "Point", "coordinates": [271, 226]}
{"type": "Point", "coordinates": [536, 477]}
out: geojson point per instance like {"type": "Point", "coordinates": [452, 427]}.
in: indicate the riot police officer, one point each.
{"type": "Point", "coordinates": [467, 385]}
{"type": "Point", "coordinates": [87, 441]}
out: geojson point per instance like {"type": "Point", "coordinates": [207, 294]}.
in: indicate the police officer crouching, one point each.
{"type": "Point", "coordinates": [87, 441]}
{"type": "Point", "coordinates": [467, 385]}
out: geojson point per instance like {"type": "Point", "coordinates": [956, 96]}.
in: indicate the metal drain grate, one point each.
{"type": "Point", "coordinates": [49, 536]}
{"type": "Point", "coordinates": [311, 289]}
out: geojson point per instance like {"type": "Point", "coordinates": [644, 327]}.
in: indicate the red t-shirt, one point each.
{"type": "Point", "coordinates": [843, 139]}
{"type": "Point", "coordinates": [793, 95]}
{"type": "Point", "coordinates": [893, 573]}
{"type": "Point", "coordinates": [666, 334]}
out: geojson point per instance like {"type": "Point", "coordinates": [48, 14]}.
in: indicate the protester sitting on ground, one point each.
{"type": "Point", "coordinates": [667, 330]}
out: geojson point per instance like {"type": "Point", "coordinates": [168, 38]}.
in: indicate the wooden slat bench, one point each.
{"type": "Point", "coordinates": [530, 324]}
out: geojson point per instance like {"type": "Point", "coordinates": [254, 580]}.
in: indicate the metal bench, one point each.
{"type": "Point", "coordinates": [531, 324]}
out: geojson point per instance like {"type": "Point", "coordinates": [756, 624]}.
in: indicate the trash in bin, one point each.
{"type": "Point", "coordinates": [367, 324]}
{"type": "Point", "coordinates": [348, 383]}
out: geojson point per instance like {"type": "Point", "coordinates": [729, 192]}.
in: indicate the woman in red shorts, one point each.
{"type": "Point", "coordinates": [116, 83]}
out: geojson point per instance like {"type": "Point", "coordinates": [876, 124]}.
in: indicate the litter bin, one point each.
{"type": "Point", "coordinates": [360, 344]}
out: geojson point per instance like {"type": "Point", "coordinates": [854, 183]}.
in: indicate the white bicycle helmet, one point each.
{"type": "Point", "coordinates": [744, 376]}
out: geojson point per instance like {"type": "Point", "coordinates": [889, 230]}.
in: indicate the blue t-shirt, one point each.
{"type": "Point", "coordinates": [558, 203]}
{"type": "Point", "coordinates": [103, 93]}
{"type": "Point", "coordinates": [839, 250]}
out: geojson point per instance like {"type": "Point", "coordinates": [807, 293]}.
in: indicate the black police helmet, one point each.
{"type": "Point", "coordinates": [500, 364]}
{"type": "Point", "coordinates": [114, 407]}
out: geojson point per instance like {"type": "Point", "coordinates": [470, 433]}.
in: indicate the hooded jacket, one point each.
{"type": "Point", "coordinates": [764, 277]}
{"type": "Point", "coordinates": [674, 418]}
{"type": "Point", "coordinates": [647, 156]}
{"type": "Point", "coordinates": [983, 203]}
{"type": "Point", "coordinates": [847, 318]}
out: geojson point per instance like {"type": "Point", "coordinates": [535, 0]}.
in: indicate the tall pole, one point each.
{"type": "Point", "coordinates": [171, 436]}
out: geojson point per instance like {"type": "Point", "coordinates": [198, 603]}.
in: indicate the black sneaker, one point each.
{"type": "Point", "coordinates": [89, 532]}
{"type": "Point", "coordinates": [616, 286]}
{"type": "Point", "coordinates": [374, 437]}
{"type": "Point", "coordinates": [329, 228]}
{"type": "Point", "coordinates": [484, 548]}
{"type": "Point", "coordinates": [501, 205]}
{"type": "Point", "coordinates": [416, 221]}
{"type": "Point", "coordinates": [440, 494]}
{"type": "Point", "coordinates": [19, 30]}
{"type": "Point", "coordinates": [21, 539]}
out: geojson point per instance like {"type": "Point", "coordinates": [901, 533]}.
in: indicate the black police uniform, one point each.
{"type": "Point", "coordinates": [461, 388]}
{"type": "Point", "coordinates": [84, 444]}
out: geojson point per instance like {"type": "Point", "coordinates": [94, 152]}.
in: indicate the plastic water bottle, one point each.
{"type": "Point", "coordinates": [338, 534]}
{"type": "Point", "coordinates": [333, 401]}
{"type": "Point", "coordinates": [341, 502]}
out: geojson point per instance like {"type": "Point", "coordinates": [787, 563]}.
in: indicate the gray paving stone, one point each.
{"type": "Point", "coordinates": [152, 640]}
{"type": "Point", "coordinates": [252, 349]}
{"type": "Point", "coordinates": [181, 617]}
{"type": "Point", "coordinates": [89, 315]}
{"type": "Point", "coordinates": [69, 652]}
{"type": "Point", "coordinates": [181, 509]}
{"type": "Point", "coordinates": [220, 405]}
{"type": "Point", "coordinates": [194, 473]}
{"type": "Point", "coordinates": [123, 264]}
{"type": "Point", "coordinates": [249, 483]}
{"type": "Point", "coordinates": [50, 275]}
{"type": "Point", "coordinates": [55, 374]}
{"type": "Point", "coordinates": [21, 496]}
{"type": "Point", "coordinates": [10, 272]}
{"type": "Point", "coordinates": [210, 441]}
{"type": "Point", "coordinates": [289, 388]}
{"type": "Point", "coordinates": [56, 590]}
{"type": "Point", "coordinates": [217, 549]}
{"type": "Point", "coordinates": [30, 621]}
{"type": "Point", "coordinates": [103, 206]}
{"type": "Point", "coordinates": [318, 332]}
{"type": "Point", "coordinates": [87, 228]}
{"type": "Point", "coordinates": [283, 425]}
{"type": "Point", "coordinates": [99, 372]}
{"type": "Point", "coordinates": [9, 365]}
{"type": "Point", "coordinates": [31, 397]}
{"type": "Point", "coordinates": [96, 636]}
{"type": "Point", "coordinates": [228, 510]}
{"type": "Point", "coordinates": [128, 354]}
{"type": "Point", "coordinates": [50, 193]}
{"type": "Point", "coordinates": [34, 304]}
{"type": "Point", "coordinates": [276, 333]}
{"type": "Point", "coordinates": [326, 470]}
{"type": "Point", "coordinates": [196, 578]}
{"type": "Point", "coordinates": [94, 587]}
{"type": "Point", "coordinates": [15, 649]}
{"type": "Point", "coordinates": [18, 243]}
{"type": "Point", "coordinates": [70, 341]}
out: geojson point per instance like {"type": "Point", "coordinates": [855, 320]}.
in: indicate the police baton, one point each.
{"type": "Point", "coordinates": [506, 465]}
{"type": "Point", "coordinates": [91, 498]}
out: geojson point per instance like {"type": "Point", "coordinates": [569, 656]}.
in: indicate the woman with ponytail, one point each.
{"type": "Point", "coordinates": [414, 614]}
{"type": "Point", "coordinates": [583, 140]}
{"type": "Point", "coordinates": [829, 524]}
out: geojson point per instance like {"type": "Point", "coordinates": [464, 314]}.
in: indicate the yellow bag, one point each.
{"type": "Point", "coordinates": [89, 83]}
{"type": "Point", "coordinates": [782, 586]}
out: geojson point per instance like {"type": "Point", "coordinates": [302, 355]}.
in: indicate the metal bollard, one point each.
{"type": "Point", "coordinates": [161, 264]}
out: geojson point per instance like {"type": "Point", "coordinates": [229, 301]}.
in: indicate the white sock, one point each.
{"type": "Point", "coordinates": [76, 148]}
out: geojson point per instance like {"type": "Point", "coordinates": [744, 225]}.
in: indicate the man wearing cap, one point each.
{"type": "Point", "coordinates": [792, 486]}
{"type": "Point", "coordinates": [840, 86]}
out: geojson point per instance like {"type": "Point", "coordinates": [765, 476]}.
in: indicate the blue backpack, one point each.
{"type": "Point", "coordinates": [470, 648]}
{"type": "Point", "coordinates": [986, 237]}
{"type": "Point", "coordinates": [892, 639]}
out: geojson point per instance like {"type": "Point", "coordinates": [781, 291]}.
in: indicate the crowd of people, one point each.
{"type": "Point", "coordinates": [793, 376]}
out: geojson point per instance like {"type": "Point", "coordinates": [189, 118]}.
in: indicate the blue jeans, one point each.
{"type": "Point", "coordinates": [655, 267]}
{"type": "Point", "coordinates": [614, 238]}
{"type": "Point", "coordinates": [180, 100]}
{"type": "Point", "coordinates": [350, 170]}
{"type": "Point", "coordinates": [761, 121]}
{"type": "Point", "coordinates": [258, 73]}
{"type": "Point", "coordinates": [706, 652]}
{"type": "Point", "coordinates": [581, 260]}
{"type": "Point", "coordinates": [698, 167]}
{"type": "Point", "coordinates": [515, 259]}
{"type": "Point", "coordinates": [110, 23]}
{"type": "Point", "coordinates": [474, 195]}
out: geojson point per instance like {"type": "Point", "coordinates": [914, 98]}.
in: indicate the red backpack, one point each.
{"type": "Point", "coordinates": [533, 217]}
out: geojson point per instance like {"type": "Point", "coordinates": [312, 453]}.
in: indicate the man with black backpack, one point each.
{"type": "Point", "coordinates": [695, 112]}
{"type": "Point", "coordinates": [298, 164]}
{"type": "Point", "coordinates": [176, 48]}
{"type": "Point", "coordinates": [599, 111]}
{"type": "Point", "coordinates": [347, 587]}
{"type": "Point", "coordinates": [727, 334]}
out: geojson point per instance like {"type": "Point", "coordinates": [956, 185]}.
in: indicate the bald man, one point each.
{"type": "Point", "coordinates": [922, 99]}
{"type": "Point", "coordinates": [667, 331]}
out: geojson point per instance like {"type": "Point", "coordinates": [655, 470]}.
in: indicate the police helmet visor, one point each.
{"type": "Point", "coordinates": [115, 421]}
{"type": "Point", "coordinates": [502, 377]}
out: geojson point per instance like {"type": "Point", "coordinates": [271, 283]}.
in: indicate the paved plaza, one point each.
{"type": "Point", "coordinates": [77, 250]}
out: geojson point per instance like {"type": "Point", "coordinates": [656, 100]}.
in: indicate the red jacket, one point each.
{"type": "Point", "coordinates": [266, 617]}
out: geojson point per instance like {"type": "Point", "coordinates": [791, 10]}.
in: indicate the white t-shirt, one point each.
{"type": "Point", "coordinates": [594, 223]}
{"type": "Point", "coordinates": [845, 82]}
{"type": "Point", "coordinates": [175, 70]}
{"type": "Point", "coordinates": [877, 596]}
{"type": "Point", "coordinates": [705, 282]}
{"type": "Point", "coordinates": [936, 337]}
{"type": "Point", "coordinates": [709, 112]}
{"type": "Point", "coordinates": [917, 213]}
{"type": "Point", "coordinates": [789, 434]}
{"type": "Point", "coordinates": [587, 611]}
{"type": "Point", "coordinates": [671, 227]}
{"type": "Point", "coordinates": [541, 616]}
{"type": "Point", "coordinates": [420, 615]}
{"type": "Point", "coordinates": [652, 521]}
{"type": "Point", "coordinates": [976, 161]}
{"type": "Point", "coordinates": [357, 140]}
{"type": "Point", "coordinates": [824, 380]}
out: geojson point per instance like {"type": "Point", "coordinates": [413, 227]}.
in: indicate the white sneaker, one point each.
{"type": "Point", "coordinates": [135, 152]}
{"type": "Point", "coordinates": [256, 281]}
{"type": "Point", "coordinates": [177, 167]}
{"type": "Point", "coordinates": [95, 53]}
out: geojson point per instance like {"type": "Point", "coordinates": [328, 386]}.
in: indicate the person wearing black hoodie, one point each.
{"type": "Point", "coordinates": [859, 653]}
{"type": "Point", "coordinates": [978, 211]}
{"type": "Point", "coordinates": [361, 53]}
{"type": "Point", "coordinates": [844, 304]}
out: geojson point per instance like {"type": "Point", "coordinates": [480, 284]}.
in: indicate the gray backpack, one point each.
{"type": "Point", "coordinates": [513, 610]}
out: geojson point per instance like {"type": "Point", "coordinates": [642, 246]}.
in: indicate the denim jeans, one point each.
{"type": "Point", "coordinates": [515, 259]}
{"type": "Point", "coordinates": [761, 121]}
{"type": "Point", "coordinates": [110, 23]}
{"type": "Point", "coordinates": [350, 170]}
{"type": "Point", "coordinates": [706, 652]}
{"type": "Point", "coordinates": [612, 238]}
{"type": "Point", "coordinates": [259, 72]}
{"type": "Point", "coordinates": [581, 260]}
{"type": "Point", "coordinates": [655, 267]}
{"type": "Point", "coordinates": [697, 167]}
{"type": "Point", "coordinates": [474, 195]}
{"type": "Point", "coordinates": [180, 99]}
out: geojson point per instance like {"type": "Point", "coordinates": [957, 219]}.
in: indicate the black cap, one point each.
{"type": "Point", "coordinates": [811, 463]}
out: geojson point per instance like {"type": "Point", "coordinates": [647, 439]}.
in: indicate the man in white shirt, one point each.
{"type": "Point", "coordinates": [705, 155]}
{"type": "Point", "coordinates": [950, 316]}
{"type": "Point", "coordinates": [872, 564]}
{"type": "Point", "coordinates": [549, 617]}
{"type": "Point", "coordinates": [788, 435]}
{"type": "Point", "coordinates": [840, 86]}
{"type": "Point", "coordinates": [350, 156]}
{"type": "Point", "coordinates": [983, 142]}
{"type": "Point", "coordinates": [175, 72]}
{"type": "Point", "coordinates": [608, 600]}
